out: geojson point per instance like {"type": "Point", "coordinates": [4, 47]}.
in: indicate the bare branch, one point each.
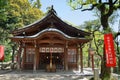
{"type": "Point", "coordinates": [100, 1]}
{"type": "Point", "coordinates": [115, 1]}
{"type": "Point", "coordinates": [92, 7]}
{"type": "Point", "coordinates": [111, 8]}
{"type": "Point", "coordinates": [78, 7]}
{"type": "Point", "coordinates": [106, 3]}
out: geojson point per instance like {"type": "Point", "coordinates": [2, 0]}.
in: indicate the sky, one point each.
{"type": "Point", "coordinates": [65, 12]}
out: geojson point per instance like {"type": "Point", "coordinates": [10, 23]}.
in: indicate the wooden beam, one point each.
{"type": "Point", "coordinates": [51, 41]}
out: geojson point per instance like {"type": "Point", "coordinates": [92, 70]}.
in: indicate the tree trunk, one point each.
{"type": "Point", "coordinates": [105, 71]}
{"type": "Point", "coordinates": [104, 22]}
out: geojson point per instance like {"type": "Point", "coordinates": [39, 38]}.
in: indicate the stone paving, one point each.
{"type": "Point", "coordinates": [42, 75]}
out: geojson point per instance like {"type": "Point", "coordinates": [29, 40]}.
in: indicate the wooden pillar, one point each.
{"type": "Point", "coordinates": [24, 58]}
{"type": "Point", "coordinates": [35, 58]}
{"type": "Point", "coordinates": [88, 59]}
{"type": "Point", "coordinates": [13, 53]}
{"type": "Point", "coordinates": [66, 57]}
{"type": "Point", "coordinates": [18, 61]}
{"type": "Point", "coordinates": [92, 57]}
{"type": "Point", "coordinates": [51, 64]}
{"type": "Point", "coordinates": [81, 58]}
{"type": "Point", "coordinates": [78, 57]}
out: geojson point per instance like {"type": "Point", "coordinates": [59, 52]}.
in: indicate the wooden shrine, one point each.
{"type": "Point", "coordinates": [50, 44]}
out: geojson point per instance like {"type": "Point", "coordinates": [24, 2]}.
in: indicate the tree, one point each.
{"type": "Point", "coordinates": [16, 14]}
{"type": "Point", "coordinates": [23, 12]}
{"type": "Point", "coordinates": [117, 37]}
{"type": "Point", "coordinates": [36, 3]}
{"type": "Point", "coordinates": [97, 39]}
{"type": "Point", "coordinates": [3, 5]}
{"type": "Point", "coordinates": [106, 9]}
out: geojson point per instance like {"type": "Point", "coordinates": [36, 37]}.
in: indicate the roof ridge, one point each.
{"type": "Point", "coordinates": [52, 10]}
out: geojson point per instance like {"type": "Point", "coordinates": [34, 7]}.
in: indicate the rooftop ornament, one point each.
{"type": "Point", "coordinates": [51, 10]}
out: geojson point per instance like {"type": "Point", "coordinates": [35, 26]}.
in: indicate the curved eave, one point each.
{"type": "Point", "coordinates": [67, 37]}
{"type": "Point", "coordinates": [32, 25]}
{"type": "Point", "coordinates": [19, 31]}
{"type": "Point", "coordinates": [68, 26]}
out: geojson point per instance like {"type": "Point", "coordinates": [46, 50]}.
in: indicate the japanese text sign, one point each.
{"type": "Point", "coordinates": [109, 50]}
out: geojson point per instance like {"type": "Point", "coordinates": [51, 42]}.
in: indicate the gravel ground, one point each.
{"type": "Point", "coordinates": [29, 75]}
{"type": "Point", "coordinates": [40, 77]}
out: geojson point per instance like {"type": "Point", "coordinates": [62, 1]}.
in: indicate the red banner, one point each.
{"type": "Point", "coordinates": [109, 50]}
{"type": "Point", "coordinates": [1, 52]}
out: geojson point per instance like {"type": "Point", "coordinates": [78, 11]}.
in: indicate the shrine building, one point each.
{"type": "Point", "coordinates": [50, 44]}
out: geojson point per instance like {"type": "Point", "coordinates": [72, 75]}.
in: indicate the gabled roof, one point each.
{"type": "Point", "coordinates": [51, 20]}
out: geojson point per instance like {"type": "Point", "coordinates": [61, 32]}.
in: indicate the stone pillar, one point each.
{"type": "Point", "coordinates": [96, 74]}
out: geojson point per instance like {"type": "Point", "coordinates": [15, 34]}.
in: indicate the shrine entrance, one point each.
{"type": "Point", "coordinates": [51, 56]}
{"type": "Point", "coordinates": [57, 60]}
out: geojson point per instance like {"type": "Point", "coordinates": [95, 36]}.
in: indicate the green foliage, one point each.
{"type": "Point", "coordinates": [106, 9]}
{"type": "Point", "coordinates": [3, 26]}
{"type": "Point", "coordinates": [3, 6]}
{"type": "Point", "coordinates": [15, 14]}
{"type": "Point", "coordinates": [36, 3]}
{"type": "Point", "coordinates": [96, 42]}
{"type": "Point", "coordinates": [23, 12]}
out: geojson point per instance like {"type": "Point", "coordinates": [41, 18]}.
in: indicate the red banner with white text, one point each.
{"type": "Point", "coordinates": [1, 53]}
{"type": "Point", "coordinates": [109, 50]}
